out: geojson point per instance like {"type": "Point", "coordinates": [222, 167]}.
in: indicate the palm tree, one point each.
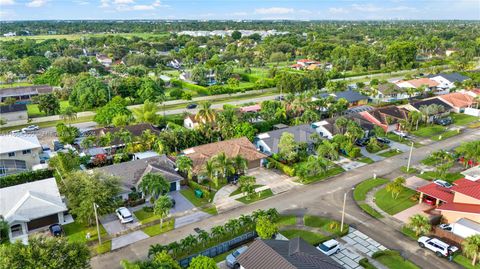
{"type": "Point", "coordinates": [470, 152]}
{"type": "Point", "coordinates": [217, 232]}
{"type": "Point", "coordinates": [232, 225]}
{"type": "Point", "coordinates": [240, 164]}
{"type": "Point", "coordinates": [203, 237]}
{"type": "Point", "coordinates": [185, 165]}
{"type": "Point", "coordinates": [88, 142]}
{"type": "Point", "coordinates": [106, 140]}
{"type": "Point", "coordinates": [223, 165]}
{"type": "Point", "coordinates": [395, 187]}
{"type": "Point", "coordinates": [419, 224]}
{"type": "Point", "coordinates": [354, 131]}
{"type": "Point", "coordinates": [174, 247]}
{"type": "Point", "coordinates": [69, 114]}
{"type": "Point", "coordinates": [188, 242]}
{"type": "Point", "coordinates": [341, 124]}
{"type": "Point", "coordinates": [147, 139]}
{"type": "Point", "coordinates": [154, 185]}
{"type": "Point", "coordinates": [206, 114]}
{"type": "Point", "coordinates": [125, 136]}
{"type": "Point", "coordinates": [246, 220]}
{"type": "Point", "coordinates": [328, 150]}
{"type": "Point", "coordinates": [162, 207]}
{"type": "Point", "coordinates": [471, 247]}
{"type": "Point", "coordinates": [156, 248]}
{"type": "Point", "coordinates": [426, 112]}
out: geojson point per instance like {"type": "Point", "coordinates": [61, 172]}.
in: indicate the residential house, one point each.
{"type": "Point", "coordinates": [31, 207]}
{"type": "Point", "coordinates": [13, 112]}
{"type": "Point", "coordinates": [131, 173]}
{"type": "Point", "coordinates": [190, 122]}
{"type": "Point", "coordinates": [268, 142]}
{"type": "Point", "coordinates": [232, 148]}
{"type": "Point", "coordinates": [388, 118]}
{"type": "Point", "coordinates": [18, 153]}
{"type": "Point", "coordinates": [417, 106]}
{"type": "Point", "coordinates": [460, 201]}
{"type": "Point", "coordinates": [104, 60]}
{"type": "Point", "coordinates": [327, 128]}
{"type": "Point", "coordinates": [250, 109]}
{"type": "Point", "coordinates": [291, 254]}
{"type": "Point", "coordinates": [426, 84]}
{"type": "Point", "coordinates": [24, 93]}
{"type": "Point", "coordinates": [459, 101]}
{"type": "Point", "coordinates": [353, 98]}
{"type": "Point", "coordinates": [447, 81]}
{"type": "Point", "coordinates": [388, 92]}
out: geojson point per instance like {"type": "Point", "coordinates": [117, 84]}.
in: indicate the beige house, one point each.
{"type": "Point", "coordinates": [18, 153]}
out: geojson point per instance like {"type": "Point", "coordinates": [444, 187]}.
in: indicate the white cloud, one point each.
{"type": "Point", "coordinates": [123, 2]}
{"type": "Point", "coordinates": [126, 5]}
{"type": "Point", "coordinates": [7, 2]}
{"type": "Point", "coordinates": [143, 7]}
{"type": "Point", "coordinates": [274, 10]}
{"type": "Point", "coordinates": [7, 14]}
{"type": "Point", "coordinates": [104, 3]}
{"type": "Point", "coordinates": [338, 10]}
{"type": "Point", "coordinates": [81, 2]}
{"type": "Point", "coordinates": [36, 3]}
{"type": "Point", "coordinates": [378, 9]}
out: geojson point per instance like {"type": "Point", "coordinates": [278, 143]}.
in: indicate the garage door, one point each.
{"type": "Point", "coordinates": [173, 186]}
{"type": "Point", "coordinates": [42, 222]}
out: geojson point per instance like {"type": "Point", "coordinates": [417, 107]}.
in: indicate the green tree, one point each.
{"type": "Point", "coordinates": [45, 252]}
{"type": "Point", "coordinates": [202, 262]}
{"type": "Point", "coordinates": [115, 107]}
{"type": "Point", "coordinates": [33, 64]}
{"type": "Point", "coordinates": [162, 207]}
{"type": "Point", "coordinates": [89, 93]}
{"type": "Point", "coordinates": [64, 162]}
{"type": "Point", "coordinates": [395, 187]}
{"type": "Point", "coordinates": [154, 185]}
{"type": "Point", "coordinates": [67, 134]}
{"type": "Point", "coordinates": [147, 113]}
{"type": "Point", "coordinates": [247, 185]}
{"type": "Point", "coordinates": [401, 54]}
{"type": "Point", "coordinates": [420, 224]}
{"type": "Point", "coordinates": [185, 165]}
{"type": "Point", "coordinates": [48, 103]}
{"type": "Point", "coordinates": [150, 89]}
{"type": "Point", "coordinates": [223, 166]}
{"type": "Point", "coordinates": [164, 261]}
{"type": "Point", "coordinates": [287, 147]}
{"type": "Point", "coordinates": [236, 35]}
{"type": "Point", "coordinates": [69, 65]}
{"type": "Point", "coordinates": [471, 247]}
{"type": "Point", "coordinates": [206, 114]}
{"type": "Point", "coordinates": [53, 77]}
{"type": "Point", "coordinates": [470, 151]}
{"type": "Point", "coordinates": [265, 228]}
{"type": "Point", "coordinates": [328, 150]}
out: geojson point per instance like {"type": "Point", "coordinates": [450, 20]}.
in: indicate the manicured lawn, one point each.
{"type": "Point", "coordinates": [398, 139]}
{"type": "Point", "coordinates": [325, 224]}
{"type": "Point", "coordinates": [145, 216]}
{"type": "Point", "coordinates": [33, 111]}
{"type": "Point", "coordinates": [201, 203]}
{"type": "Point", "coordinates": [77, 232]}
{"type": "Point", "coordinates": [392, 206]}
{"type": "Point", "coordinates": [156, 230]}
{"type": "Point", "coordinates": [257, 197]}
{"type": "Point", "coordinates": [104, 247]}
{"type": "Point", "coordinates": [222, 257]}
{"type": "Point", "coordinates": [379, 148]}
{"type": "Point", "coordinates": [330, 173]}
{"type": "Point", "coordinates": [285, 220]}
{"type": "Point", "coordinates": [465, 262]}
{"type": "Point", "coordinates": [429, 161]}
{"type": "Point", "coordinates": [409, 233]}
{"type": "Point", "coordinates": [431, 175]}
{"type": "Point", "coordinates": [393, 260]}
{"type": "Point", "coordinates": [365, 160]}
{"type": "Point", "coordinates": [310, 237]}
{"type": "Point", "coordinates": [462, 119]}
{"type": "Point", "coordinates": [445, 135]}
{"type": "Point", "coordinates": [428, 131]}
{"type": "Point", "coordinates": [360, 191]}
{"type": "Point", "coordinates": [410, 171]}
{"type": "Point", "coordinates": [390, 153]}
{"type": "Point", "coordinates": [238, 191]}
{"type": "Point", "coordinates": [370, 211]}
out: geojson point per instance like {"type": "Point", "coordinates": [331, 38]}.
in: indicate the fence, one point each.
{"type": "Point", "coordinates": [220, 248]}
{"type": "Point", "coordinates": [449, 236]}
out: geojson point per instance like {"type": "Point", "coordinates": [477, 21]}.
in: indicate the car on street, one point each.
{"type": "Point", "coordinates": [400, 133]}
{"type": "Point", "coordinates": [444, 121]}
{"type": "Point", "coordinates": [191, 106]}
{"type": "Point", "coordinates": [440, 248]}
{"type": "Point", "coordinates": [329, 247]}
{"type": "Point", "coordinates": [442, 183]}
{"type": "Point", "coordinates": [231, 259]}
{"type": "Point", "coordinates": [56, 229]}
{"type": "Point", "coordinates": [383, 140]}
{"type": "Point", "coordinates": [280, 98]}
{"type": "Point", "coordinates": [124, 215]}
{"type": "Point", "coordinates": [15, 132]}
{"type": "Point", "coordinates": [30, 128]}
{"type": "Point", "coordinates": [362, 142]}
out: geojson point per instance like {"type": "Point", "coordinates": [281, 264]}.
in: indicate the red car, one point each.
{"type": "Point", "coordinates": [430, 200]}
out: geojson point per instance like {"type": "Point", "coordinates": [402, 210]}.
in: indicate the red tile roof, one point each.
{"type": "Point", "coordinates": [422, 81]}
{"type": "Point", "coordinates": [460, 207]}
{"type": "Point", "coordinates": [253, 108]}
{"type": "Point", "coordinates": [437, 192]}
{"type": "Point", "coordinates": [458, 99]}
{"type": "Point", "coordinates": [467, 187]}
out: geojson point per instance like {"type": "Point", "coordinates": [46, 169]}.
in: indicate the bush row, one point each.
{"type": "Point", "coordinates": [287, 170]}
{"type": "Point", "coordinates": [194, 185]}
{"type": "Point", "coordinates": [25, 177]}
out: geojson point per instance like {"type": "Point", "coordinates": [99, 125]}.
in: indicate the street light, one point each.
{"type": "Point", "coordinates": [343, 209]}
{"type": "Point", "coordinates": [410, 157]}
{"type": "Point", "coordinates": [95, 206]}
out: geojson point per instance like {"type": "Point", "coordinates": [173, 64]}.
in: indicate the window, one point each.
{"type": "Point", "coordinates": [27, 151]}
{"type": "Point", "coordinates": [11, 154]}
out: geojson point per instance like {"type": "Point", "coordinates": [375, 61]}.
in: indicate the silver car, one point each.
{"type": "Point", "coordinates": [124, 215]}
{"type": "Point", "coordinates": [231, 259]}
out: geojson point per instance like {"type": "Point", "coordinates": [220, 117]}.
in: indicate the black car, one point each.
{"type": "Point", "coordinates": [56, 229]}
{"type": "Point", "coordinates": [383, 140]}
{"type": "Point", "coordinates": [191, 106]}
{"type": "Point", "coordinates": [280, 98]}
{"type": "Point", "coordinates": [444, 121]}
{"type": "Point", "coordinates": [361, 142]}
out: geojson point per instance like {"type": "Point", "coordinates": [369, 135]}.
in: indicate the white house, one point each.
{"type": "Point", "coordinates": [447, 81]}
{"type": "Point", "coordinates": [18, 153]}
{"type": "Point", "coordinates": [104, 60]}
{"type": "Point", "coordinates": [190, 122]}
{"type": "Point", "coordinates": [32, 207]}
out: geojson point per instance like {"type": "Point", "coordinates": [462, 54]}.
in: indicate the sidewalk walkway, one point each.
{"type": "Point", "coordinates": [387, 219]}
{"type": "Point", "coordinates": [374, 157]}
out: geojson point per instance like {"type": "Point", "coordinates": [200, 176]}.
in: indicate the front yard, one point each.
{"type": "Point", "coordinates": [256, 197]}
{"type": "Point", "coordinates": [462, 119]}
{"type": "Point", "coordinates": [76, 232]}
{"type": "Point", "coordinates": [202, 203]}
{"type": "Point", "coordinates": [335, 170]}
{"type": "Point", "coordinates": [326, 224]}
{"type": "Point", "coordinates": [431, 175]}
{"type": "Point", "coordinates": [145, 216]}
{"type": "Point", "coordinates": [430, 130]}
{"type": "Point", "coordinates": [156, 229]}
{"type": "Point", "coordinates": [390, 153]}
{"type": "Point", "coordinates": [392, 206]}
{"type": "Point", "coordinates": [393, 260]}
{"type": "Point", "coordinates": [311, 237]}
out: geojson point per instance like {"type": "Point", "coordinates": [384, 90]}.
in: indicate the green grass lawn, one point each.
{"type": "Point", "coordinates": [46, 124]}
{"type": "Point", "coordinates": [360, 191]}
{"type": "Point", "coordinates": [222, 257]}
{"type": "Point", "coordinates": [398, 139]}
{"type": "Point", "coordinates": [330, 173]}
{"type": "Point", "coordinates": [409, 233]}
{"type": "Point", "coordinates": [156, 230]}
{"type": "Point", "coordinates": [465, 262]}
{"type": "Point", "coordinates": [431, 175]}
{"type": "Point", "coordinates": [393, 260]}
{"type": "Point", "coordinates": [256, 197]}
{"type": "Point", "coordinates": [463, 119]}
{"type": "Point", "coordinates": [15, 84]}
{"type": "Point", "coordinates": [411, 170]}
{"type": "Point", "coordinates": [445, 135]}
{"type": "Point", "coordinates": [145, 216]}
{"type": "Point", "coordinates": [77, 232]}
{"type": "Point", "coordinates": [390, 153]}
{"type": "Point", "coordinates": [202, 203]}
{"type": "Point", "coordinates": [392, 206]}
{"type": "Point", "coordinates": [285, 220]}
{"type": "Point", "coordinates": [365, 160]}
{"type": "Point", "coordinates": [311, 237]}
{"type": "Point", "coordinates": [325, 224]}
{"type": "Point", "coordinates": [33, 111]}
{"type": "Point", "coordinates": [370, 210]}
{"type": "Point", "coordinates": [104, 247]}
{"type": "Point", "coordinates": [428, 131]}
{"type": "Point", "coordinates": [238, 191]}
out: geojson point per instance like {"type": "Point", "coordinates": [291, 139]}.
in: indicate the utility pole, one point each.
{"type": "Point", "coordinates": [95, 206]}
{"type": "Point", "coordinates": [410, 157]}
{"type": "Point", "coordinates": [343, 211]}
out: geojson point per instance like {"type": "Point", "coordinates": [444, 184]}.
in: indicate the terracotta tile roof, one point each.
{"type": "Point", "coordinates": [422, 81]}
{"type": "Point", "coordinates": [437, 192]}
{"type": "Point", "coordinates": [296, 65]}
{"type": "Point", "coordinates": [253, 108]}
{"type": "Point", "coordinates": [381, 114]}
{"type": "Point", "coordinates": [467, 187]}
{"type": "Point", "coordinates": [233, 147]}
{"type": "Point", "coordinates": [458, 99]}
{"type": "Point", "coordinates": [469, 208]}
{"type": "Point", "coordinates": [305, 61]}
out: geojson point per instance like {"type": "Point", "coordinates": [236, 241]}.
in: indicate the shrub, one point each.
{"type": "Point", "coordinates": [25, 177]}
{"type": "Point", "coordinates": [194, 185]}
{"type": "Point", "coordinates": [383, 253]}
{"type": "Point", "coordinates": [176, 93]}
{"type": "Point", "coordinates": [287, 170]}
{"type": "Point", "coordinates": [197, 88]}
{"type": "Point", "coordinates": [366, 264]}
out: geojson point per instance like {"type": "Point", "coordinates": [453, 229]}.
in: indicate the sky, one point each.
{"type": "Point", "coordinates": [240, 9]}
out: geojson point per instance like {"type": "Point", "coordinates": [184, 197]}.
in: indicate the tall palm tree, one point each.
{"type": "Point", "coordinates": [414, 117]}
{"type": "Point", "coordinates": [246, 220]}
{"type": "Point", "coordinates": [188, 242]}
{"type": "Point", "coordinates": [174, 247]}
{"type": "Point", "coordinates": [328, 150]}
{"type": "Point", "coordinates": [162, 208]}
{"type": "Point", "coordinates": [395, 186]}
{"type": "Point", "coordinates": [240, 164]}
{"type": "Point", "coordinates": [185, 165]}
{"type": "Point", "coordinates": [341, 124]}
{"type": "Point", "coordinates": [206, 114]}
{"type": "Point", "coordinates": [419, 224]}
{"type": "Point", "coordinates": [68, 114]}
{"type": "Point", "coordinates": [209, 171]}
{"type": "Point", "coordinates": [217, 232]}
{"type": "Point", "coordinates": [232, 225]}
{"type": "Point", "coordinates": [154, 185]}
{"type": "Point", "coordinates": [471, 247]}
{"type": "Point", "coordinates": [223, 165]}
{"type": "Point", "coordinates": [354, 131]}
{"type": "Point", "coordinates": [203, 237]}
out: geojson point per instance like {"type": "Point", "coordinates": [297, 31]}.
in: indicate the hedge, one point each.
{"type": "Point", "coordinates": [194, 185]}
{"type": "Point", "coordinates": [287, 170]}
{"type": "Point", "coordinates": [25, 177]}
{"type": "Point", "coordinates": [199, 89]}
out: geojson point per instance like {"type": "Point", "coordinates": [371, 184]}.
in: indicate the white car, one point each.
{"type": "Point", "coordinates": [442, 183]}
{"type": "Point", "coordinates": [329, 247]}
{"type": "Point", "coordinates": [124, 215]}
{"type": "Point", "coordinates": [15, 132]}
{"type": "Point", "coordinates": [401, 134]}
{"type": "Point", "coordinates": [30, 128]}
{"type": "Point", "coordinates": [440, 248]}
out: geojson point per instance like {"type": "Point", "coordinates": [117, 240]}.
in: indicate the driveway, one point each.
{"type": "Point", "coordinates": [274, 179]}
{"type": "Point", "coordinates": [374, 157]}
{"type": "Point", "coordinates": [348, 164]}
{"type": "Point", "coordinates": [404, 215]}
{"type": "Point", "coordinates": [112, 224]}
{"type": "Point", "coordinates": [415, 182]}
{"type": "Point", "coordinates": [128, 239]}
{"type": "Point", "coordinates": [181, 203]}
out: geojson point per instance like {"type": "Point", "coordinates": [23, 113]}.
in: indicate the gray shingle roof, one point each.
{"type": "Point", "coordinates": [25, 90]}
{"type": "Point", "coordinates": [452, 77]}
{"type": "Point", "coordinates": [350, 96]}
{"type": "Point", "coordinates": [427, 102]}
{"type": "Point", "coordinates": [302, 134]}
{"type": "Point", "coordinates": [293, 254]}
{"type": "Point", "coordinates": [13, 108]}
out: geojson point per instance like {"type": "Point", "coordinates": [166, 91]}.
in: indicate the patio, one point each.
{"type": "Point", "coordinates": [421, 209]}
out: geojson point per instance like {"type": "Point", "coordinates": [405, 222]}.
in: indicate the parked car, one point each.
{"type": "Point", "coordinates": [57, 145]}
{"type": "Point", "coordinates": [444, 121]}
{"type": "Point", "coordinates": [30, 128]}
{"type": "Point", "coordinates": [124, 215]}
{"type": "Point", "coordinates": [191, 106]}
{"type": "Point", "coordinates": [400, 133]}
{"type": "Point", "coordinates": [280, 98]}
{"type": "Point", "coordinates": [383, 140]}
{"type": "Point", "coordinates": [329, 247]}
{"type": "Point", "coordinates": [362, 142]}
{"type": "Point", "coordinates": [430, 200]}
{"type": "Point", "coordinates": [231, 259]}
{"type": "Point", "coordinates": [15, 132]}
{"type": "Point", "coordinates": [440, 248]}
{"type": "Point", "coordinates": [446, 227]}
{"type": "Point", "coordinates": [56, 229]}
{"type": "Point", "coordinates": [442, 183]}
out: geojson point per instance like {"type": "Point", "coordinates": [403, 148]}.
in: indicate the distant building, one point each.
{"type": "Point", "coordinates": [18, 153]}
{"type": "Point", "coordinates": [9, 34]}
{"type": "Point", "coordinates": [447, 80]}
{"type": "Point", "coordinates": [268, 142]}
{"type": "Point", "coordinates": [13, 112]}
{"type": "Point", "coordinates": [104, 60]}
{"type": "Point", "coordinates": [353, 98]}
{"type": "Point", "coordinates": [460, 101]}
{"type": "Point", "coordinates": [24, 93]}
{"type": "Point", "coordinates": [190, 122]}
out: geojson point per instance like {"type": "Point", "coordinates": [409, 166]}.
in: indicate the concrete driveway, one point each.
{"type": "Point", "coordinates": [274, 179]}
{"type": "Point", "coordinates": [112, 224]}
{"type": "Point", "coordinates": [181, 203]}
{"type": "Point", "coordinates": [348, 164]}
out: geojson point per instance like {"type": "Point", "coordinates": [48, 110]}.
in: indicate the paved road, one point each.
{"type": "Point", "coordinates": [322, 198]}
